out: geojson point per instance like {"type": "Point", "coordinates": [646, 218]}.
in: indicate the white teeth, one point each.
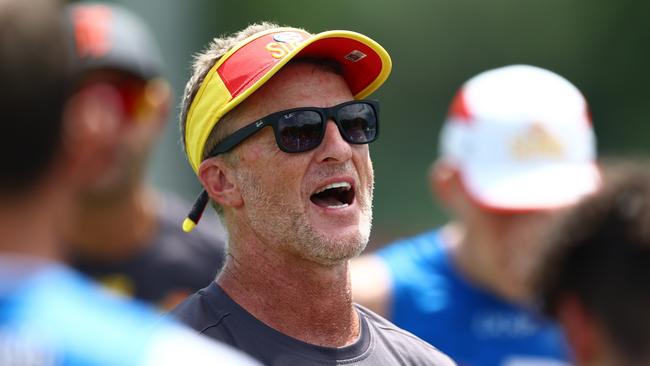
{"type": "Point", "coordinates": [335, 185]}
{"type": "Point", "coordinates": [342, 205]}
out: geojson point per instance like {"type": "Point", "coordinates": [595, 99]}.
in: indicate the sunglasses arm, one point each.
{"type": "Point", "coordinates": [237, 137]}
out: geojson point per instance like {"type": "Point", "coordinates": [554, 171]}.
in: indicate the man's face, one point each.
{"type": "Point", "coordinates": [281, 206]}
{"type": "Point", "coordinates": [138, 126]}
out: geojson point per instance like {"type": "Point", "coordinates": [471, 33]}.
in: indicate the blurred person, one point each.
{"type": "Point", "coordinates": [517, 146]}
{"type": "Point", "coordinates": [277, 130]}
{"type": "Point", "coordinates": [595, 277]}
{"type": "Point", "coordinates": [50, 314]}
{"type": "Point", "coordinates": [126, 233]}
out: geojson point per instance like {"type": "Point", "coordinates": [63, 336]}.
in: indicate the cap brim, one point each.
{"type": "Point", "coordinates": [366, 64]}
{"type": "Point", "coordinates": [543, 187]}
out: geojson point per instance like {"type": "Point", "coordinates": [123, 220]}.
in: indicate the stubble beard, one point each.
{"type": "Point", "coordinates": [279, 223]}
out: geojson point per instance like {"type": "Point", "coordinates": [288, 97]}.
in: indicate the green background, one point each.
{"type": "Point", "coordinates": [601, 46]}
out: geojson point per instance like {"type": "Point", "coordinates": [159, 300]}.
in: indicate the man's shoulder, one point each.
{"type": "Point", "coordinates": [201, 310]}
{"type": "Point", "coordinates": [424, 246]}
{"type": "Point", "coordinates": [420, 261]}
{"type": "Point", "coordinates": [390, 338]}
{"type": "Point", "coordinates": [58, 308]}
{"type": "Point", "coordinates": [137, 330]}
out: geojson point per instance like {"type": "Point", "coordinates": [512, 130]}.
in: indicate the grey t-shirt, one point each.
{"type": "Point", "coordinates": [212, 312]}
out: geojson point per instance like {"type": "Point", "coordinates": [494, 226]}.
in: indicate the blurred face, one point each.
{"type": "Point", "coordinates": [137, 106]}
{"type": "Point", "coordinates": [315, 205]}
{"type": "Point", "coordinates": [508, 227]}
{"type": "Point", "coordinates": [509, 243]}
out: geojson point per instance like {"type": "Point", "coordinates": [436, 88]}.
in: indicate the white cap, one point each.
{"type": "Point", "coordinates": [522, 139]}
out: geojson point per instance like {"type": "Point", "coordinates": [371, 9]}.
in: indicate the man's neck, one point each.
{"type": "Point", "coordinates": [301, 299]}
{"type": "Point", "coordinates": [114, 229]}
{"type": "Point", "coordinates": [28, 225]}
{"type": "Point", "coordinates": [486, 261]}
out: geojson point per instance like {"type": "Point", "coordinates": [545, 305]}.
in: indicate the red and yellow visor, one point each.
{"type": "Point", "coordinates": [252, 62]}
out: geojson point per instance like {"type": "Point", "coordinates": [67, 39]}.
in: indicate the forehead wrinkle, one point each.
{"type": "Point", "coordinates": [289, 85]}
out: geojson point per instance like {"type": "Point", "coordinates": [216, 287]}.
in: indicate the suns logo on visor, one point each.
{"type": "Point", "coordinates": [285, 42]}
{"type": "Point", "coordinates": [288, 37]}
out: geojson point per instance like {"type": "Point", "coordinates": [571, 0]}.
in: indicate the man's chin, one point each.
{"type": "Point", "coordinates": [106, 189]}
{"type": "Point", "coordinates": [334, 252]}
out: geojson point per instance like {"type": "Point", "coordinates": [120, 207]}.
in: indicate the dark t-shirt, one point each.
{"type": "Point", "coordinates": [212, 312]}
{"type": "Point", "coordinates": [172, 266]}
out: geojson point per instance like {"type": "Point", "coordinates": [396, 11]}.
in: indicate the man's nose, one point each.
{"type": "Point", "coordinates": [333, 147]}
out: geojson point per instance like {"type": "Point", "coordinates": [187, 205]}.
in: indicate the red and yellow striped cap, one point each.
{"type": "Point", "coordinates": [253, 61]}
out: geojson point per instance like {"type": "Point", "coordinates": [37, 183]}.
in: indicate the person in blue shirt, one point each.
{"type": "Point", "coordinates": [50, 314]}
{"type": "Point", "coordinates": [516, 148]}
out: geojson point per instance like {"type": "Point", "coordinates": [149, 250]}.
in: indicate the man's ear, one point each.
{"type": "Point", "coordinates": [218, 181]}
{"type": "Point", "coordinates": [444, 181]}
{"type": "Point", "coordinates": [581, 329]}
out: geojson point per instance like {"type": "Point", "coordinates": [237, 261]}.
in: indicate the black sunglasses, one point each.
{"type": "Point", "coordinates": [302, 129]}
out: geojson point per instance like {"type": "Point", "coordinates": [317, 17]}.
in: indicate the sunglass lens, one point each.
{"type": "Point", "coordinates": [359, 123]}
{"type": "Point", "coordinates": [300, 131]}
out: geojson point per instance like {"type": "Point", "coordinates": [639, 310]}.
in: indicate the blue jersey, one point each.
{"type": "Point", "coordinates": [473, 326]}
{"type": "Point", "coordinates": [50, 315]}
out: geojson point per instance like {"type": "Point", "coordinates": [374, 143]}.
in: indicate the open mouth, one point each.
{"type": "Point", "coordinates": [334, 195]}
